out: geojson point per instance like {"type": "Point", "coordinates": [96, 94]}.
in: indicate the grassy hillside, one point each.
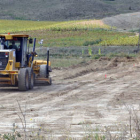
{"type": "Point", "coordinates": [19, 25]}
{"type": "Point", "coordinates": [70, 33]}
{"type": "Point", "coordinates": [65, 9]}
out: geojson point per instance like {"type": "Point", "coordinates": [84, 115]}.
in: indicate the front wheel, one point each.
{"type": "Point", "coordinates": [43, 71]}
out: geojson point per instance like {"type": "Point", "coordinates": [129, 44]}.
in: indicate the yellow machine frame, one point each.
{"type": "Point", "coordinates": [10, 74]}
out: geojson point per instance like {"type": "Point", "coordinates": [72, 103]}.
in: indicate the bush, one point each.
{"type": "Point", "coordinates": [87, 43]}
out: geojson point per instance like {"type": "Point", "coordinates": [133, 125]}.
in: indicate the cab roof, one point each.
{"type": "Point", "coordinates": [11, 36]}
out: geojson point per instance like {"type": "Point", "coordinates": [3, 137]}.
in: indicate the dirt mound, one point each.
{"type": "Point", "coordinates": [112, 63]}
{"type": "Point", "coordinates": [115, 61]}
{"type": "Point", "coordinates": [104, 63]}
{"type": "Point", "coordinates": [128, 21]}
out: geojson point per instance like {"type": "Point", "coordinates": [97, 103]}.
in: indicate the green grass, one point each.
{"type": "Point", "coordinates": [23, 25]}
{"type": "Point", "coordinates": [65, 62]}
{"type": "Point", "coordinates": [83, 38]}
{"type": "Point", "coordinates": [20, 25]}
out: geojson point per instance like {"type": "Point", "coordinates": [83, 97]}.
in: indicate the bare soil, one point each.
{"type": "Point", "coordinates": [95, 93]}
{"type": "Point", "coordinates": [129, 21]}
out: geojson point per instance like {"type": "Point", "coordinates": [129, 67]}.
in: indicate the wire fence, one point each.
{"type": "Point", "coordinates": [86, 51]}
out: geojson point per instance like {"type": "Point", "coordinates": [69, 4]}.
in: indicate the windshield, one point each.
{"type": "Point", "coordinates": [11, 44]}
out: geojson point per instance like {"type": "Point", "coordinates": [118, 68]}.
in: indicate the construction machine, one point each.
{"type": "Point", "coordinates": [18, 66]}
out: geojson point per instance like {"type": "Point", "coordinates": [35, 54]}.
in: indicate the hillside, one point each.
{"type": "Point", "coordinates": [65, 9]}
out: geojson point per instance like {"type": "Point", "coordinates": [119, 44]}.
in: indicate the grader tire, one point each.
{"type": "Point", "coordinates": [43, 71]}
{"type": "Point", "coordinates": [23, 79]}
{"type": "Point", "coordinates": [31, 78]}
{"type": "Point", "coordinates": [50, 81]}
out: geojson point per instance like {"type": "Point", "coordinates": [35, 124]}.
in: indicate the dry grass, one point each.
{"type": "Point", "coordinates": [92, 22]}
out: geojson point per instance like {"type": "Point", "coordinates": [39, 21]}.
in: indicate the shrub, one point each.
{"type": "Point", "coordinates": [87, 43]}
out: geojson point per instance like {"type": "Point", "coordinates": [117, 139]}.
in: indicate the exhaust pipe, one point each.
{"type": "Point", "coordinates": [47, 69]}
{"type": "Point", "coordinates": [34, 48]}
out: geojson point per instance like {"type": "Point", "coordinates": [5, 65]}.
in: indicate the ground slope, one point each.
{"type": "Point", "coordinates": [129, 21]}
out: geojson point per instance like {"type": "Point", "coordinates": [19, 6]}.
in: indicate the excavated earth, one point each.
{"type": "Point", "coordinates": [81, 98]}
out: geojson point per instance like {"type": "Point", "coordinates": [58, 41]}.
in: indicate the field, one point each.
{"type": "Point", "coordinates": [23, 25]}
{"type": "Point", "coordinates": [98, 37]}
{"type": "Point", "coordinates": [71, 33]}
{"type": "Point", "coordinates": [95, 90]}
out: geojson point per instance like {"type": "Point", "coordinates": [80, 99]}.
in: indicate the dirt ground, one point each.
{"type": "Point", "coordinates": [91, 95]}
{"type": "Point", "coordinates": [129, 21]}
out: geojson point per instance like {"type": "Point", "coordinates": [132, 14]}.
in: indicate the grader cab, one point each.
{"type": "Point", "coordinates": [17, 64]}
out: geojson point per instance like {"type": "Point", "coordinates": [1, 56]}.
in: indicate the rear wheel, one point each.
{"type": "Point", "coordinates": [50, 81]}
{"type": "Point", "coordinates": [31, 78]}
{"type": "Point", "coordinates": [23, 79]}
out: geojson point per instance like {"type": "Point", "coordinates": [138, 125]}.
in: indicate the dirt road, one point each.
{"type": "Point", "coordinates": [91, 95]}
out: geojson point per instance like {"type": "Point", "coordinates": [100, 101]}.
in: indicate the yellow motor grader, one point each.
{"type": "Point", "coordinates": [17, 64]}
